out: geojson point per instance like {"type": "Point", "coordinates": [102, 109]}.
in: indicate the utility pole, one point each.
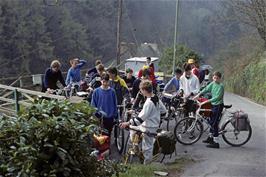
{"type": "Point", "coordinates": [119, 18]}
{"type": "Point", "coordinates": [175, 35]}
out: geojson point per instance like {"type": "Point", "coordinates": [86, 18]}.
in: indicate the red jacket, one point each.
{"type": "Point", "coordinates": [152, 76]}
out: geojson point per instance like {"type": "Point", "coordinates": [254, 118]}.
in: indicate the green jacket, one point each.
{"type": "Point", "coordinates": [217, 91]}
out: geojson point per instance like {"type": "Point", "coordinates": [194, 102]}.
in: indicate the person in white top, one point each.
{"type": "Point", "coordinates": [189, 83]}
{"type": "Point", "coordinates": [148, 119]}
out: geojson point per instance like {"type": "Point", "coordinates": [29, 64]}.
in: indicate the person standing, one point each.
{"type": "Point", "coordinates": [148, 119]}
{"type": "Point", "coordinates": [195, 68]}
{"type": "Point", "coordinates": [73, 74]}
{"type": "Point", "coordinates": [189, 83]}
{"type": "Point", "coordinates": [216, 88]}
{"type": "Point", "coordinates": [119, 85]}
{"type": "Point", "coordinates": [129, 78]}
{"type": "Point", "coordinates": [104, 99]}
{"type": "Point", "coordinates": [173, 84]}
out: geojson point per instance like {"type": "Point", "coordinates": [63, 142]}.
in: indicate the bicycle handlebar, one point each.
{"type": "Point", "coordinates": [135, 128]}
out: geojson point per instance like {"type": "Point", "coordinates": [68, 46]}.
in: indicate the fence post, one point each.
{"type": "Point", "coordinates": [16, 96]}
{"type": "Point", "coordinates": [20, 83]}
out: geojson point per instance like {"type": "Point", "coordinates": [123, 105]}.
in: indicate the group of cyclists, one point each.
{"type": "Point", "coordinates": [108, 90]}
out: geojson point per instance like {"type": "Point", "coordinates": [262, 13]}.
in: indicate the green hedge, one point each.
{"type": "Point", "coordinates": [51, 138]}
{"type": "Point", "coordinates": [250, 82]}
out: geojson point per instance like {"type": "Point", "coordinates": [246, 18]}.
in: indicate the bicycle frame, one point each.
{"type": "Point", "coordinates": [198, 116]}
{"type": "Point", "coordinates": [134, 149]}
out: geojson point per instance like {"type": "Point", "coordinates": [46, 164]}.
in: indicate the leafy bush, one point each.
{"type": "Point", "coordinates": [249, 82]}
{"type": "Point", "coordinates": [183, 53]}
{"type": "Point", "coordinates": [51, 139]}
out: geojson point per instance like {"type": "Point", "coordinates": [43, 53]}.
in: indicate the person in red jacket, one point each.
{"type": "Point", "coordinates": [195, 68]}
{"type": "Point", "coordinates": [150, 66]}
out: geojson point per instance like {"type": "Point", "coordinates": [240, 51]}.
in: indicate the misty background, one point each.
{"type": "Point", "coordinates": [33, 33]}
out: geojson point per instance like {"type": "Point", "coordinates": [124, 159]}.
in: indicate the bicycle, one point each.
{"type": "Point", "coordinates": [190, 129]}
{"type": "Point", "coordinates": [134, 149]}
{"type": "Point", "coordinates": [175, 110]}
{"type": "Point", "coordinates": [119, 134]}
{"type": "Point", "coordinates": [72, 89]}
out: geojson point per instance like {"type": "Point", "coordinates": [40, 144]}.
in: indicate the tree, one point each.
{"type": "Point", "coordinates": [183, 53]}
{"type": "Point", "coordinates": [68, 36]}
{"type": "Point", "coordinates": [23, 35]}
{"type": "Point", "coordinates": [253, 13]}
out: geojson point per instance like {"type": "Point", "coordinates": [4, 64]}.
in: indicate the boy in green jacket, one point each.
{"type": "Point", "coordinates": [216, 88]}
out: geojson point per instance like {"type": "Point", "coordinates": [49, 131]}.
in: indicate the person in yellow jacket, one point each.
{"type": "Point", "coordinates": [119, 85]}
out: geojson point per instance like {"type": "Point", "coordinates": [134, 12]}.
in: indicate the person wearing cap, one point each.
{"type": "Point", "coordinates": [129, 78]}
{"type": "Point", "coordinates": [194, 66]}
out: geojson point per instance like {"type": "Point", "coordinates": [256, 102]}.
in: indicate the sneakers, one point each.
{"type": "Point", "coordinates": [213, 145]}
{"type": "Point", "coordinates": [209, 140]}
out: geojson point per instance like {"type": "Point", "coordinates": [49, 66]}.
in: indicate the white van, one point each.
{"type": "Point", "coordinates": [137, 63]}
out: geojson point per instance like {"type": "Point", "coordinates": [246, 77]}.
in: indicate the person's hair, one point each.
{"type": "Point", "coordinates": [100, 67]}
{"type": "Point", "coordinates": [97, 62]}
{"type": "Point", "coordinates": [148, 58]}
{"type": "Point", "coordinates": [146, 85]}
{"type": "Point", "coordinates": [55, 64]}
{"type": "Point", "coordinates": [72, 60]}
{"type": "Point", "coordinates": [113, 70]}
{"type": "Point", "coordinates": [218, 74]}
{"type": "Point", "coordinates": [146, 72]}
{"type": "Point", "coordinates": [187, 67]}
{"type": "Point", "coordinates": [105, 77]}
{"type": "Point", "coordinates": [178, 71]}
{"type": "Point", "coordinates": [206, 71]}
{"type": "Point", "coordinates": [129, 70]}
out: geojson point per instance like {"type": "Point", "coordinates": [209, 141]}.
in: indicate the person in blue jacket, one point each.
{"type": "Point", "coordinates": [173, 84]}
{"type": "Point", "coordinates": [73, 74]}
{"type": "Point", "coordinates": [104, 99]}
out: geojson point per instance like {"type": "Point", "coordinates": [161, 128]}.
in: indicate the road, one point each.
{"type": "Point", "coordinates": [248, 161]}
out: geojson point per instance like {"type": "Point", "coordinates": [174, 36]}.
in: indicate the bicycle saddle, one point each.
{"type": "Point", "coordinates": [227, 106]}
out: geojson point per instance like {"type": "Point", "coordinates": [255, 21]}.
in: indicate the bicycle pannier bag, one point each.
{"type": "Point", "coordinates": [166, 141]}
{"type": "Point", "coordinates": [241, 121]}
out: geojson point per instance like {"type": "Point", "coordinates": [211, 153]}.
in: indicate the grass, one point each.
{"type": "Point", "coordinates": [173, 168]}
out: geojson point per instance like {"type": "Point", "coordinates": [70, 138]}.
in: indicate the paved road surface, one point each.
{"type": "Point", "coordinates": [248, 161]}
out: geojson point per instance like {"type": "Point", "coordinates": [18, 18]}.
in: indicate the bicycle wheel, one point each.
{"type": "Point", "coordinates": [235, 137]}
{"type": "Point", "coordinates": [170, 122]}
{"type": "Point", "coordinates": [119, 138]}
{"type": "Point", "coordinates": [188, 131]}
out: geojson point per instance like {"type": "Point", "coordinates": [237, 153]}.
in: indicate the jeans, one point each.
{"type": "Point", "coordinates": [215, 118]}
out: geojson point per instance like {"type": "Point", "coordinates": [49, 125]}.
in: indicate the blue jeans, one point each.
{"type": "Point", "coordinates": [215, 119]}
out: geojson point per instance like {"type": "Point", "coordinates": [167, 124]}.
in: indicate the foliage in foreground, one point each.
{"type": "Point", "coordinates": [51, 139]}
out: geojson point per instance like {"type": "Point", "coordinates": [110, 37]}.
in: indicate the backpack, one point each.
{"type": "Point", "coordinates": [166, 141]}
